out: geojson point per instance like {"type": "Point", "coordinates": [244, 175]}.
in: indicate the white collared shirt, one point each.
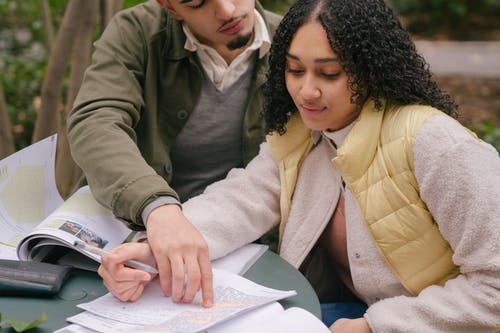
{"type": "Point", "coordinates": [217, 69]}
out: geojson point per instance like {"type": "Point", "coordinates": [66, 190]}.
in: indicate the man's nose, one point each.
{"type": "Point", "coordinates": [224, 9]}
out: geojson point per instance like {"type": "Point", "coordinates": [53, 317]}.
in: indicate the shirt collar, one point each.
{"type": "Point", "coordinates": [261, 40]}
{"type": "Point", "coordinates": [338, 137]}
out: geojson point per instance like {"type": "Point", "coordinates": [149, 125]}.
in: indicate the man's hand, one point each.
{"type": "Point", "coordinates": [344, 325]}
{"type": "Point", "coordinates": [181, 254]}
{"type": "Point", "coordinates": [125, 283]}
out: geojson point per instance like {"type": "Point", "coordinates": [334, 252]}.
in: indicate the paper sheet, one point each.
{"type": "Point", "coordinates": [234, 295]}
{"type": "Point", "coordinates": [270, 318]}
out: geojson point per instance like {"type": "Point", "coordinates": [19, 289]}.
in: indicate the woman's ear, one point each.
{"type": "Point", "coordinates": [168, 7]}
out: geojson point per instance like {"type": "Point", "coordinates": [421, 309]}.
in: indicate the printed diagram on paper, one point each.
{"type": "Point", "coordinates": [228, 302]}
{"type": "Point", "coordinates": [155, 312]}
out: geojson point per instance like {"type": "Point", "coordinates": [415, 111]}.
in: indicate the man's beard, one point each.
{"type": "Point", "coordinates": [239, 42]}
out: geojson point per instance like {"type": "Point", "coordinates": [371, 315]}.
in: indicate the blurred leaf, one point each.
{"type": "Point", "coordinates": [490, 133]}
{"type": "Point", "coordinates": [459, 19]}
{"type": "Point", "coordinates": [131, 3]}
{"type": "Point", "coordinates": [21, 326]}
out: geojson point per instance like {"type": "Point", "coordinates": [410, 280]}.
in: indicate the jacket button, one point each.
{"type": "Point", "coordinates": [357, 255]}
{"type": "Point", "coordinates": [168, 168]}
{"type": "Point", "coordinates": [182, 114]}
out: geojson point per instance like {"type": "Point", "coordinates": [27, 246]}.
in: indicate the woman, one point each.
{"type": "Point", "coordinates": [381, 196]}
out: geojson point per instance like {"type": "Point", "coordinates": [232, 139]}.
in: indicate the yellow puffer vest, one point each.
{"type": "Point", "coordinates": [376, 162]}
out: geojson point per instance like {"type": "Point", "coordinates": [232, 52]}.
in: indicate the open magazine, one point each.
{"type": "Point", "coordinates": [82, 218]}
{"type": "Point", "coordinates": [38, 225]}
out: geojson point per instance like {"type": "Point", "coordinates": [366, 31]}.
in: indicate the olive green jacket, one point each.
{"type": "Point", "coordinates": [136, 96]}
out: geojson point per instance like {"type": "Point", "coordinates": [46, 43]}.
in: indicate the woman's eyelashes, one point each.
{"type": "Point", "coordinates": [328, 75]}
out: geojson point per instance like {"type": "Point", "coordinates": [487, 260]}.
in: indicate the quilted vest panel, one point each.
{"type": "Point", "coordinates": [376, 161]}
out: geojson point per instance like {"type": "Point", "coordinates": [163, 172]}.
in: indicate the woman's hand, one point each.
{"type": "Point", "coordinates": [344, 325]}
{"type": "Point", "coordinates": [126, 284]}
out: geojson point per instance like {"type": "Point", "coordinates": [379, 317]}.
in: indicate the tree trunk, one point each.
{"type": "Point", "coordinates": [6, 139]}
{"type": "Point", "coordinates": [80, 55]}
{"type": "Point", "coordinates": [47, 24]}
{"type": "Point", "coordinates": [47, 119]}
{"type": "Point", "coordinates": [68, 174]}
{"type": "Point", "coordinates": [108, 9]}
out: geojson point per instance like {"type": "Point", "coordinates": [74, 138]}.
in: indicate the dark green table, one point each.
{"type": "Point", "coordinates": [270, 270]}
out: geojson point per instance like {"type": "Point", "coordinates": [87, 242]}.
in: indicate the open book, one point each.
{"type": "Point", "coordinates": [240, 306]}
{"type": "Point", "coordinates": [38, 225]}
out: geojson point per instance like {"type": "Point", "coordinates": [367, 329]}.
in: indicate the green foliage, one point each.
{"type": "Point", "coordinates": [21, 80]}
{"type": "Point", "coordinates": [22, 326]}
{"type": "Point", "coordinates": [277, 6]}
{"type": "Point", "coordinates": [27, 15]}
{"type": "Point", "coordinates": [453, 17]}
{"type": "Point", "coordinates": [130, 3]}
{"type": "Point", "coordinates": [489, 133]}
{"type": "Point", "coordinates": [443, 8]}
{"type": "Point", "coordinates": [23, 60]}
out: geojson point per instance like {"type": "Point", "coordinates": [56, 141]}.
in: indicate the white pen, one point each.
{"type": "Point", "coordinates": [102, 253]}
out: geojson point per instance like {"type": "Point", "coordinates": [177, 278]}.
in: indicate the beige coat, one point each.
{"type": "Point", "coordinates": [463, 201]}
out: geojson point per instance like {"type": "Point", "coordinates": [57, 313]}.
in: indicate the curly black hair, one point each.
{"type": "Point", "coordinates": [374, 49]}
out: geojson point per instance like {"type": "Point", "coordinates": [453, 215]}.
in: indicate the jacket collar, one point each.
{"type": "Point", "coordinates": [296, 134]}
{"type": "Point", "coordinates": [361, 143]}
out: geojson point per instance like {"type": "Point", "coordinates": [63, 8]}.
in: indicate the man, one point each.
{"type": "Point", "coordinates": [170, 104]}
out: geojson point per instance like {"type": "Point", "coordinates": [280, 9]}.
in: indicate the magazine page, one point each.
{"type": "Point", "coordinates": [234, 295]}
{"type": "Point", "coordinates": [80, 217]}
{"type": "Point", "coordinates": [28, 192]}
